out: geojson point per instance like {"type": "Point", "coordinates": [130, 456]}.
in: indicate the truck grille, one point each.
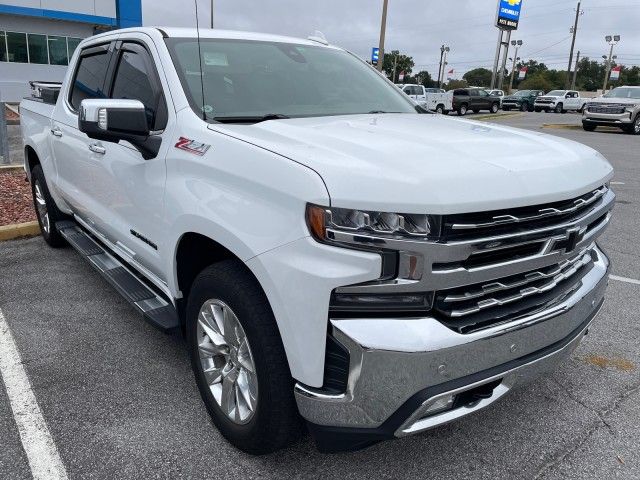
{"type": "Point", "coordinates": [611, 109]}
{"type": "Point", "coordinates": [491, 268]}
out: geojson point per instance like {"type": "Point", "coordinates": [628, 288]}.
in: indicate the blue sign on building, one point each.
{"type": "Point", "coordinates": [508, 14]}
{"type": "Point", "coordinates": [375, 56]}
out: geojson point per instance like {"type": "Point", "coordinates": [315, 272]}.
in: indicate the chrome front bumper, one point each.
{"type": "Point", "coordinates": [399, 367]}
{"type": "Point", "coordinates": [625, 118]}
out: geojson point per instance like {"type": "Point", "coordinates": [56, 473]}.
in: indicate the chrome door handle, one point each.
{"type": "Point", "coordinates": [56, 132]}
{"type": "Point", "coordinates": [95, 148]}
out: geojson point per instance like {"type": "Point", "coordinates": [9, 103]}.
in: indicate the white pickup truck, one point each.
{"type": "Point", "coordinates": [335, 256]}
{"type": "Point", "coordinates": [433, 99]}
{"type": "Point", "coordinates": [560, 101]}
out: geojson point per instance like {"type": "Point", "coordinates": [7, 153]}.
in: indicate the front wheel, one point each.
{"type": "Point", "coordinates": [634, 129]}
{"type": "Point", "coordinates": [495, 107]}
{"type": "Point", "coordinates": [559, 108]}
{"type": "Point", "coordinates": [239, 361]}
{"type": "Point", "coordinates": [589, 127]}
{"type": "Point", "coordinates": [46, 210]}
{"type": "Point", "coordinates": [524, 107]}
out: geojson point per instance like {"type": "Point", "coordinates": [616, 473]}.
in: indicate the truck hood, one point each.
{"type": "Point", "coordinates": [616, 101]}
{"type": "Point", "coordinates": [514, 97]}
{"type": "Point", "coordinates": [429, 163]}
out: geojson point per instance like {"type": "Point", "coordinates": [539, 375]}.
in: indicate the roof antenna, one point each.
{"type": "Point", "coordinates": [318, 37]}
{"type": "Point", "coordinates": [204, 114]}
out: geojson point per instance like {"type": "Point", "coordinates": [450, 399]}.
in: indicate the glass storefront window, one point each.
{"type": "Point", "coordinates": [3, 47]}
{"type": "Point", "coordinates": [17, 47]}
{"type": "Point", "coordinates": [58, 50]}
{"type": "Point", "coordinates": [37, 48]}
{"type": "Point", "coordinates": [73, 44]}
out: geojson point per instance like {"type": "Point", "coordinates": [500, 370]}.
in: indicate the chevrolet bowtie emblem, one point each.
{"type": "Point", "coordinates": [574, 237]}
{"type": "Point", "coordinates": [513, 3]}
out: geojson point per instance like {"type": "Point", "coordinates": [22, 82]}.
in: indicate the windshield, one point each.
{"type": "Point", "coordinates": [523, 93]}
{"type": "Point", "coordinates": [557, 93]}
{"type": "Point", "coordinates": [623, 92]}
{"type": "Point", "coordinates": [244, 80]}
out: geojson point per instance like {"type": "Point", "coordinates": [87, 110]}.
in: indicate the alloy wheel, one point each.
{"type": "Point", "coordinates": [41, 207]}
{"type": "Point", "coordinates": [227, 361]}
{"type": "Point", "coordinates": [636, 125]}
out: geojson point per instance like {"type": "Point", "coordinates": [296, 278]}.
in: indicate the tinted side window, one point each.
{"type": "Point", "coordinates": [460, 92]}
{"type": "Point", "coordinates": [135, 79]}
{"type": "Point", "coordinates": [90, 76]}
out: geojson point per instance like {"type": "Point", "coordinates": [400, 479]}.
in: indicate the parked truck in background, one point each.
{"type": "Point", "coordinates": [618, 108]}
{"type": "Point", "coordinates": [522, 100]}
{"type": "Point", "coordinates": [560, 101]}
{"type": "Point", "coordinates": [475, 100]}
{"type": "Point", "coordinates": [335, 256]}
{"type": "Point", "coordinates": [430, 98]}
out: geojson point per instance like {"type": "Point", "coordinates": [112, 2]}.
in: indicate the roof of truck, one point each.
{"type": "Point", "coordinates": [176, 32]}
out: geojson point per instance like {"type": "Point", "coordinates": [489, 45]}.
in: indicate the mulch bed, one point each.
{"type": "Point", "coordinates": [16, 205]}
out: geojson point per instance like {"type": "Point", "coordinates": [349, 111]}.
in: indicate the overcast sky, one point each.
{"type": "Point", "coordinates": [419, 27]}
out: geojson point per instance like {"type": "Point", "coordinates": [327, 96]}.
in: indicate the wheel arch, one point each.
{"type": "Point", "coordinates": [31, 159]}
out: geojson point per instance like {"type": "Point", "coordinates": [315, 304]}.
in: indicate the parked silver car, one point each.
{"type": "Point", "coordinates": [618, 108]}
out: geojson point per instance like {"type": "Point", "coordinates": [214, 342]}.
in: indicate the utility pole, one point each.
{"type": "Point", "coordinates": [444, 50]}
{"type": "Point", "coordinates": [504, 61]}
{"type": "Point", "coordinates": [383, 31]}
{"type": "Point", "coordinates": [575, 72]}
{"type": "Point", "coordinates": [517, 44]}
{"type": "Point", "coordinates": [613, 41]}
{"type": "Point", "coordinates": [440, 67]}
{"type": "Point", "coordinates": [4, 135]}
{"type": "Point", "coordinates": [574, 31]}
{"type": "Point", "coordinates": [212, 9]}
{"type": "Point", "coordinates": [395, 66]}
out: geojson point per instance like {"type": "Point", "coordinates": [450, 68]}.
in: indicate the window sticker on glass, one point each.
{"type": "Point", "coordinates": [215, 59]}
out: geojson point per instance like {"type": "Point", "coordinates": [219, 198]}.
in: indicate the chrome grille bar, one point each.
{"type": "Point", "coordinates": [500, 220]}
{"type": "Point", "coordinates": [568, 271]}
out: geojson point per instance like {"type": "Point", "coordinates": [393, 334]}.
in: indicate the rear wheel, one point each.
{"type": "Point", "coordinates": [462, 110]}
{"type": "Point", "coordinates": [239, 361]}
{"type": "Point", "coordinates": [440, 109]}
{"type": "Point", "coordinates": [495, 107]}
{"type": "Point", "coordinates": [46, 210]}
{"type": "Point", "coordinates": [524, 107]}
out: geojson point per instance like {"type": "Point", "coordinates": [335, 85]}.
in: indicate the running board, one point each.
{"type": "Point", "coordinates": [154, 308]}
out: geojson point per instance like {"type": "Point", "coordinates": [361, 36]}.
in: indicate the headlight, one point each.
{"type": "Point", "coordinates": [325, 222]}
{"type": "Point", "coordinates": [632, 108]}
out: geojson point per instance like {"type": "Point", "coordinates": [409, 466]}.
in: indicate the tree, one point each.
{"type": "Point", "coordinates": [538, 81]}
{"type": "Point", "coordinates": [422, 78]}
{"type": "Point", "coordinates": [402, 63]}
{"type": "Point", "coordinates": [453, 84]}
{"type": "Point", "coordinates": [480, 77]}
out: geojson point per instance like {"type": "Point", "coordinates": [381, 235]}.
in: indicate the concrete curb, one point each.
{"type": "Point", "coordinates": [19, 230]}
{"type": "Point", "coordinates": [562, 126]}
{"type": "Point", "coordinates": [492, 116]}
{"type": "Point", "coordinates": [11, 168]}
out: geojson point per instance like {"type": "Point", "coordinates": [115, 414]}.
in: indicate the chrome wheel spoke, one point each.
{"type": "Point", "coordinates": [227, 361]}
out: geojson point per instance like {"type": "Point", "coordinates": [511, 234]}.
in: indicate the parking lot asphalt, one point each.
{"type": "Point", "coordinates": [119, 399]}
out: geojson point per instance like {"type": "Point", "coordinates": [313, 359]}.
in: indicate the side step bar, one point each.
{"type": "Point", "coordinates": [154, 308]}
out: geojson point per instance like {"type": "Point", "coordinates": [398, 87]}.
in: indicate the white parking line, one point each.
{"type": "Point", "coordinates": [624, 279]}
{"type": "Point", "coordinates": [617, 183]}
{"type": "Point", "coordinates": [41, 451]}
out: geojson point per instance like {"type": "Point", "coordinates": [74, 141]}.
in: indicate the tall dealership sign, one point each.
{"type": "Point", "coordinates": [507, 20]}
{"type": "Point", "coordinates": [508, 15]}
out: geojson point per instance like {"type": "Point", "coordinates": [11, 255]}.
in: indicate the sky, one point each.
{"type": "Point", "coordinates": [419, 27]}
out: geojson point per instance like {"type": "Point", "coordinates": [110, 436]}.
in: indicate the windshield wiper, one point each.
{"type": "Point", "coordinates": [382, 111]}
{"type": "Point", "coordinates": [251, 119]}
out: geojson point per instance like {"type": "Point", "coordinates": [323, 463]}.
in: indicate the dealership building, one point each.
{"type": "Point", "coordinates": [38, 37]}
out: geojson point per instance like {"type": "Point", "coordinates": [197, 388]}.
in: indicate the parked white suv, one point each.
{"type": "Point", "coordinates": [560, 101]}
{"type": "Point", "coordinates": [335, 257]}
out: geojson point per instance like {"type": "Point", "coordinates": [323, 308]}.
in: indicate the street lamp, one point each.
{"type": "Point", "coordinates": [613, 41]}
{"type": "Point", "coordinates": [517, 44]}
{"type": "Point", "coordinates": [444, 50]}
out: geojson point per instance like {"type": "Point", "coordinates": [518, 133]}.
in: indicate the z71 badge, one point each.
{"type": "Point", "coordinates": [191, 146]}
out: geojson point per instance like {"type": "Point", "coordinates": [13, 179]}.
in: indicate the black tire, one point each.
{"type": "Point", "coordinates": [462, 110]}
{"type": "Point", "coordinates": [440, 109]}
{"type": "Point", "coordinates": [634, 128]}
{"type": "Point", "coordinates": [275, 422]}
{"type": "Point", "coordinates": [524, 107]}
{"type": "Point", "coordinates": [495, 107]}
{"type": "Point", "coordinates": [589, 127]}
{"type": "Point", "coordinates": [558, 108]}
{"type": "Point", "coordinates": [48, 220]}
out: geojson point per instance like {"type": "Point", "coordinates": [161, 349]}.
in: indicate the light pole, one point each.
{"type": "Point", "coordinates": [444, 50]}
{"type": "Point", "coordinates": [383, 31]}
{"type": "Point", "coordinates": [613, 41]}
{"type": "Point", "coordinates": [574, 31]}
{"type": "Point", "coordinates": [212, 8]}
{"type": "Point", "coordinates": [517, 44]}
